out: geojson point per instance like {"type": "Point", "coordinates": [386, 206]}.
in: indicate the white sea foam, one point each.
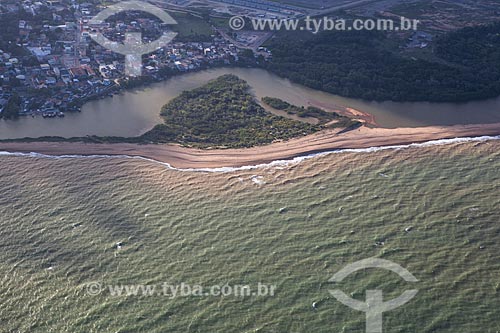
{"type": "Point", "coordinates": [259, 180]}
{"type": "Point", "coordinates": [273, 164]}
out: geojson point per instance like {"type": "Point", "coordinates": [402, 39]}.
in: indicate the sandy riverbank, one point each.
{"type": "Point", "coordinates": [182, 157]}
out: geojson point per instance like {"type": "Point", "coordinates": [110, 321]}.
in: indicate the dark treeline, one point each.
{"type": "Point", "coordinates": [361, 65]}
{"type": "Point", "coordinates": [476, 48]}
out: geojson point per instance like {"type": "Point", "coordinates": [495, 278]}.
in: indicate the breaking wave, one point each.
{"type": "Point", "coordinates": [277, 163]}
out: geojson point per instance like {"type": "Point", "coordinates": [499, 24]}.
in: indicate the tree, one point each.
{"type": "Point", "coordinates": [363, 64]}
{"type": "Point", "coordinates": [12, 108]}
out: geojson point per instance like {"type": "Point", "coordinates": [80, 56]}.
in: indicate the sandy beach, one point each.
{"type": "Point", "coordinates": [182, 157]}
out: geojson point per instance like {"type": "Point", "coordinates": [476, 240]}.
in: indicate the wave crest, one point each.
{"type": "Point", "coordinates": [277, 163]}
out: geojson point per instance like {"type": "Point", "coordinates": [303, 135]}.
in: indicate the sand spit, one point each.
{"type": "Point", "coordinates": [190, 158]}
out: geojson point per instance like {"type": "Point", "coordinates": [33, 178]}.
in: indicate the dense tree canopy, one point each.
{"type": "Point", "coordinates": [12, 108]}
{"type": "Point", "coordinates": [361, 65]}
{"type": "Point", "coordinates": [223, 114]}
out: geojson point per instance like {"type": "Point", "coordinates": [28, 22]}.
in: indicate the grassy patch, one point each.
{"type": "Point", "coordinates": [309, 112]}
{"type": "Point", "coordinates": [191, 27]}
{"type": "Point", "coordinates": [326, 119]}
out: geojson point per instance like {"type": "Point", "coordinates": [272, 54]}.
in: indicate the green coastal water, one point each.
{"type": "Point", "coordinates": [289, 226]}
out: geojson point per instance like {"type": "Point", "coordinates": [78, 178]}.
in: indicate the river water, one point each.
{"type": "Point", "coordinates": [135, 111]}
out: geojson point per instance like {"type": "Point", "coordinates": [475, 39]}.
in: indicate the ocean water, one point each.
{"type": "Point", "coordinates": [71, 226]}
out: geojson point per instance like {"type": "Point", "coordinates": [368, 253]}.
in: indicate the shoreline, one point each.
{"type": "Point", "coordinates": [191, 158]}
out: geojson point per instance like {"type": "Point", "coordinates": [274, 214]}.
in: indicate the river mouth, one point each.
{"type": "Point", "coordinates": [134, 112]}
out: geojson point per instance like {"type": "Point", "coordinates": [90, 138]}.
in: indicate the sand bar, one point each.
{"type": "Point", "coordinates": [182, 157]}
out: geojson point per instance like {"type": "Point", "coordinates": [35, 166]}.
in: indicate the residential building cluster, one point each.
{"type": "Point", "coordinates": [55, 66]}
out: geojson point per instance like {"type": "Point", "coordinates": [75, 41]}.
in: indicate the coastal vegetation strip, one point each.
{"type": "Point", "coordinates": [326, 119]}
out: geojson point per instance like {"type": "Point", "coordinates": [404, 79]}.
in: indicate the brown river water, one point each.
{"type": "Point", "coordinates": [135, 111]}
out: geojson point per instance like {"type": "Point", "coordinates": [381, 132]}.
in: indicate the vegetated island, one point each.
{"type": "Point", "coordinates": [222, 114]}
